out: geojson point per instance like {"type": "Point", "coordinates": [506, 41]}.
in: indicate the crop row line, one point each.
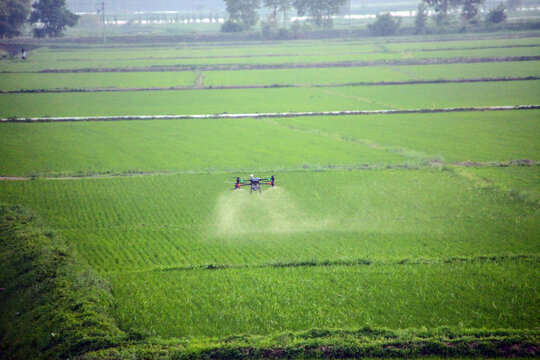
{"type": "Point", "coordinates": [266, 115]}
{"type": "Point", "coordinates": [200, 78]}
{"type": "Point", "coordinates": [350, 262]}
{"type": "Point", "coordinates": [299, 65]}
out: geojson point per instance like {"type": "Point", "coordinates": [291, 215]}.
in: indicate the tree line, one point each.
{"type": "Point", "coordinates": [243, 14]}
{"type": "Point", "coordinates": [47, 17]}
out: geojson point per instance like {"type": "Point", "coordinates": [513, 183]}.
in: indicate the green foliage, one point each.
{"type": "Point", "coordinates": [54, 16]}
{"type": "Point", "coordinates": [385, 25]}
{"type": "Point", "coordinates": [420, 21]}
{"type": "Point", "coordinates": [232, 26]}
{"type": "Point", "coordinates": [243, 12]}
{"type": "Point", "coordinates": [52, 305]}
{"type": "Point", "coordinates": [320, 12]}
{"type": "Point", "coordinates": [470, 9]}
{"type": "Point", "coordinates": [13, 15]}
{"type": "Point", "coordinates": [496, 15]}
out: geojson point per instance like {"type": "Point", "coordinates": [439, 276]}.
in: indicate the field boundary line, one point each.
{"type": "Point", "coordinates": [230, 67]}
{"type": "Point", "coordinates": [426, 164]}
{"type": "Point", "coordinates": [199, 85]}
{"type": "Point", "coordinates": [266, 115]}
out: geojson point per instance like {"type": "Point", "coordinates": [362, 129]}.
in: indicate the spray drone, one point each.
{"type": "Point", "coordinates": [254, 183]}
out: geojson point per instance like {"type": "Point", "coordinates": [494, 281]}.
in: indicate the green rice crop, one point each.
{"type": "Point", "coordinates": [320, 76]}
{"type": "Point", "coordinates": [297, 52]}
{"type": "Point", "coordinates": [262, 301]}
{"type": "Point", "coordinates": [370, 225]}
{"type": "Point", "coordinates": [29, 81]}
{"type": "Point", "coordinates": [140, 223]}
{"type": "Point", "coordinates": [371, 74]}
{"type": "Point", "coordinates": [452, 137]}
{"type": "Point", "coordinates": [36, 65]}
{"type": "Point", "coordinates": [244, 144]}
{"type": "Point", "coordinates": [270, 100]}
{"type": "Point", "coordinates": [522, 182]}
{"type": "Point", "coordinates": [178, 146]}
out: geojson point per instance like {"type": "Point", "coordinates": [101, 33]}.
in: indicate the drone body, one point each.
{"type": "Point", "coordinates": [254, 183]}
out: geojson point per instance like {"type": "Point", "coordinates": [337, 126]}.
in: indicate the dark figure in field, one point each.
{"type": "Point", "coordinates": [23, 54]}
{"type": "Point", "coordinates": [255, 183]}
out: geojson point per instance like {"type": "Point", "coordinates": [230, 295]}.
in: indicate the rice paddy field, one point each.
{"type": "Point", "coordinates": [425, 222]}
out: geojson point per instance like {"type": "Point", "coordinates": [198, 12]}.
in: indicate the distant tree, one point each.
{"type": "Point", "coordinates": [13, 15]}
{"type": "Point", "coordinates": [385, 25]}
{"type": "Point", "coordinates": [497, 15]}
{"type": "Point", "coordinates": [420, 20]}
{"type": "Point", "coordinates": [284, 7]}
{"type": "Point", "coordinates": [513, 4]}
{"type": "Point", "coordinates": [320, 12]}
{"type": "Point", "coordinates": [54, 16]}
{"type": "Point", "coordinates": [243, 11]}
{"type": "Point", "coordinates": [273, 5]}
{"type": "Point", "coordinates": [231, 26]}
{"type": "Point", "coordinates": [469, 9]}
{"type": "Point", "coordinates": [441, 8]}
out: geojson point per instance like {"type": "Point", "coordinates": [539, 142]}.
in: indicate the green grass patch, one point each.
{"type": "Point", "coordinates": [270, 100]}
{"type": "Point", "coordinates": [522, 182]}
{"type": "Point", "coordinates": [263, 301]}
{"type": "Point", "coordinates": [451, 137]}
{"type": "Point", "coordinates": [53, 305]}
{"type": "Point", "coordinates": [264, 53]}
{"type": "Point", "coordinates": [338, 75]}
{"type": "Point", "coordinates": [159, 222]}
{"type": "Point", "coordinates": [174, 146]}
{"type": "Point", "coordinates": [27, 81]}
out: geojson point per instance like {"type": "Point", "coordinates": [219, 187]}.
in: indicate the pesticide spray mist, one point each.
{"type": "Point", "coordinates": [239, 212]}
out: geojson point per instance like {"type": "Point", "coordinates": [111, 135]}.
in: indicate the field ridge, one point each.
{"type": "Point", "coordinates": [226, 67]}
{"type": "Point", "coordinates": [427, 164]}
{"type": "Point", "coordinates": [267, 115]}
{"type": "Point", "coordinates": [199, 85]}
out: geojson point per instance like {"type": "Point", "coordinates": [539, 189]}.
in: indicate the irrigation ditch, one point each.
{"type": "Point", "coordinates": [266, 115]}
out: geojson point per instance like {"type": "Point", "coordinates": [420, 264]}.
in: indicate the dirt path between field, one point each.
{"type": "Point", "coordinates": [199, 85]}
{"type": "Point", "coordinates": [426, 165]}
{"type": "Point", "coordinates": [265, 115]}
{"type": "Point", "coordinates": [300, 65]}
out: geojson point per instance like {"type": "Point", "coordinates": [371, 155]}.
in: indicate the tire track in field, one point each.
{"type": "Point", "coordinates": [406, 153]}
{"type": "Point", "coordinates": [299, 65]}
{"type": "Point", "coordinates": [199, 85]}
{"type": "Point", "coordinates": [351, 262]}
{"type": "Point", "coordinates": [461, 170]}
